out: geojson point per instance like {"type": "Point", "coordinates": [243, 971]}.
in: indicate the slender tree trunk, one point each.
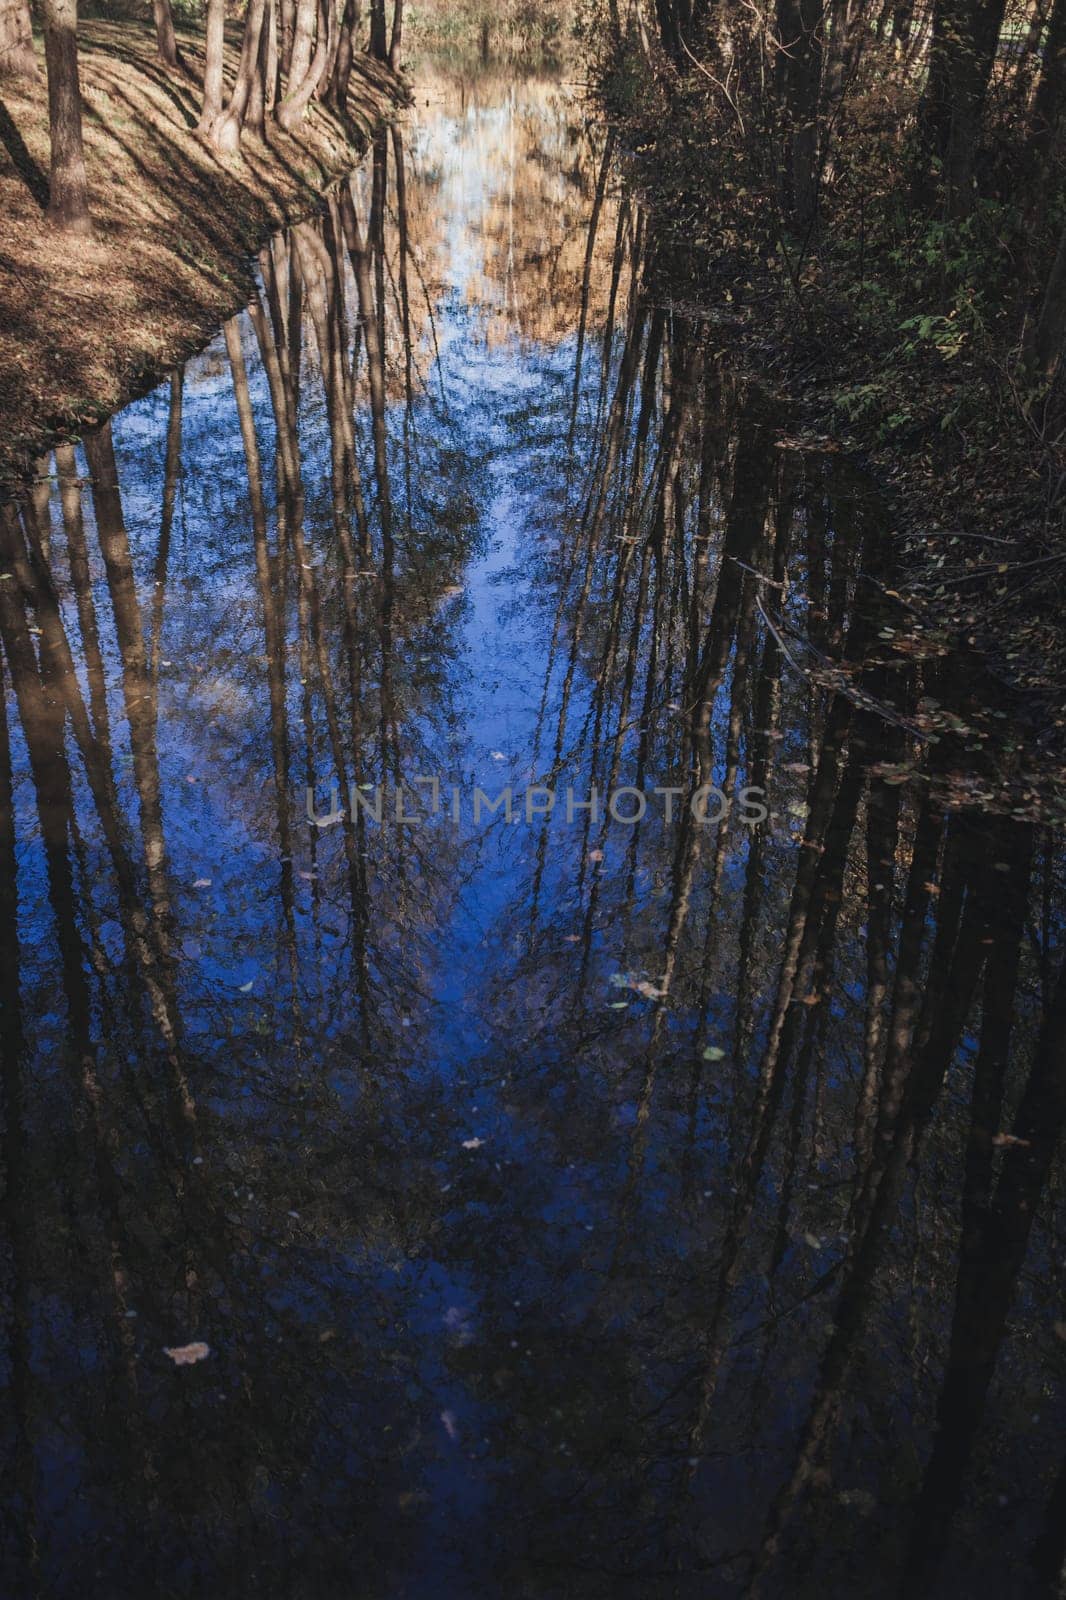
{"type": "Point", "coordinates": [215, 41]}
{"type": "Point", "coordinates": [396, 43]}
{"type": "Point", "coordinates": [166, 43]}
{"type": "Point", "coordinates": [261, 98]}
{"type": "Point", "coordinates": [16, 38]}
{"type": "Point", "coordinates": [292, 109]}
{"type": "Point", "coordinates": [378, 41]}
{"type": "Point", "coordinates": [303, 41]}
{"type": "Point", "coordinates": [342, 64]}
{"type": "Point", "coordinates": [286, 29]}
{"type": "Point", "coordinates": [225, 133]}
{"type": "Point", "coordinates": [799, 77]}
{"type": "Point", "coordinates": [1044, 347]}
{"type": "Point", "coordinates": [1051, 86]}
{"type": "Point", "coordinates": [68, 205]}
{"type": "Point", "coordinates": [1023, 71]}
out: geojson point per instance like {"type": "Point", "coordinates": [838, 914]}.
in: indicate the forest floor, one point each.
{"type": "Point", "coordinates": [88, 323]}
{"type": "Point", "coordinates": [894, 341]}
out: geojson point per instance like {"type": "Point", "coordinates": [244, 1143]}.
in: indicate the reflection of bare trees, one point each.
{"type": "Point", "coordinates": [860, 978]}
{"type": "Point", "coordinates": [172, 1247]}
{"type": "Point", "coordinates": [761, 1220]}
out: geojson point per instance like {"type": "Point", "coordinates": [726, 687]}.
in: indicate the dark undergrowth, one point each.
{"type": "Point", "coordinates": [893, 332]}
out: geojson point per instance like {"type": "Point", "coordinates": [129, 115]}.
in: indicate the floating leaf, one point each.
{"type": "Point", "coordinates": [713, 1053]}
{"type": "Point", "coordinates": [187, 1355]}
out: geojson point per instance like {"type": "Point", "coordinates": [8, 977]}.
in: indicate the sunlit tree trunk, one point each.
{"type": "Point", "coordinates": [166, 43]}
{"type": "Point", "coordinates": [396, 42]}
{"type": "Point", "coordinates": [294, 106]}
{"type": "Point", "coordinates": [214, 44]}
{"type": "Point", "coordinates": [264, 79]}
{"type": "Point", "coordinates": [342, 61]}
{"type": "Point", "coordinates": [303, 42]}
{"type": "Point", "coordinates": [16, 37]}
{"type": "Point", "coordinates": [225, 132]}
{"type": "Point", "coordinates": [68, 204]}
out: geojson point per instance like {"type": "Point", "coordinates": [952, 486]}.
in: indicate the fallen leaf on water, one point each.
{"type": "Point", "coordinates": [202, 883]}
{"type": "Point", "coordinates": [595, 855]}
{"type": "Point", "coordinates": [246, 988]}
{"type": "Point", "coordinates": [451, 1427]}
{"type": "Point", "coordinates": [648, 990]}
{"type": "Point", "coordinates": [473, 1144]}
{"type": "Point", "coordinates": [572, 938]}
{"type": "Point", "coordinates": [1003, 1141]}
{"type": "Point", "coordinates": [187, 1355]}
{"type": "Point", "coordinates": [813, 1240]}
{"type": "Point", "coordinates": [713, 1053]}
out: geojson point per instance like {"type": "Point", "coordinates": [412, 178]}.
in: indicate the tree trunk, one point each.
{"type": "Point", "coordinates": [225, 132]}
{"type": "Point", "coordinates": [286, 27]}
{"type": "Point", "coordinates": [1047, 101]}
{"type": "Point", "coordinates": [1026, 64]}
{"type": "Point", "coordinates": [799, 77]}
{"type": "Point", "coordinates": [303, 40]}
{"type": "Point", "coordinates": [342, 65]}
{"type": "Point", "coordinates": [975, 53]}
{"type": "Point", "coordinates": [378, 43]}
{"type": "Point", "coordinates": [1045, 342]}
{"type": "Point", "coordinates": [292, 109]}
{"type": "Point", "coordinates": [215, 41]}
{"type": "Point", "coordinates": [396, 43]}
{"type": "Point", "coordinates": [261, 99]}
{"type": "Point", "coordinates": [166, 43]}
{"type": "Point", "coordinates": [16, 38]}
{"type": "Point", "coordinates": [68, 204]}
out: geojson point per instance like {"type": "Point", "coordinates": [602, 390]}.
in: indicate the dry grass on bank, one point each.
{"type": "Point", "coordinates": [87, 323]}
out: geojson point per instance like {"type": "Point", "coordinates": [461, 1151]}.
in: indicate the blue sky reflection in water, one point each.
{"type": "Point", "coordinates": [545, 1207]}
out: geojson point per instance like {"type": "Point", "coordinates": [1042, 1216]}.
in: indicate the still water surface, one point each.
{"type": "Point", "coordinates": [554, 1205]}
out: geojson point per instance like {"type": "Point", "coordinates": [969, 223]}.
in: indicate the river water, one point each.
{"type": "Point", "coordinates": [532, 1004]}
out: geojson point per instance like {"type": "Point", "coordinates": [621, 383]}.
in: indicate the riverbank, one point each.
{"type": "Point", "coordinates": [890, 334]}
{"type": "Point", "coordinates": [86, 324]}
